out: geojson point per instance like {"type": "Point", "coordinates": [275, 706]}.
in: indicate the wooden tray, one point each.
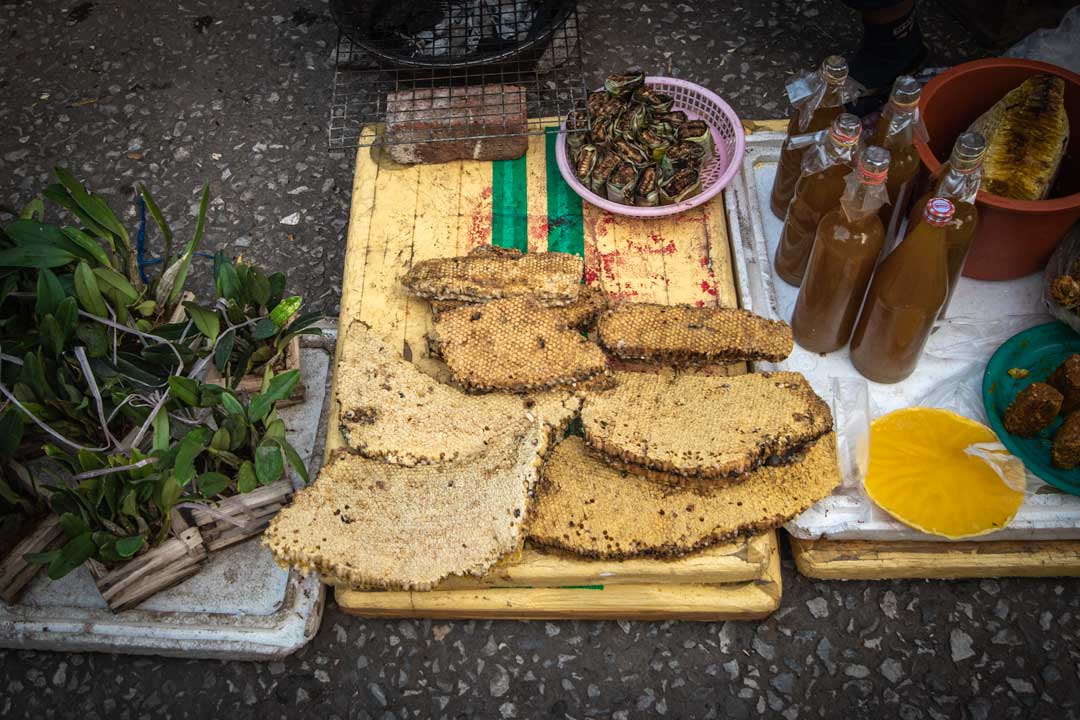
{"type": "Point", "coordinates": [862, 560]}
{"type": "Point", "coordinates": [751, 600]}
{"type": "Point", "coordinates": [401, 215]}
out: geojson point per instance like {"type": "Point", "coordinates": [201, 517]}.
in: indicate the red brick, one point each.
{"type": "Point", "coordinates": [454, 118]}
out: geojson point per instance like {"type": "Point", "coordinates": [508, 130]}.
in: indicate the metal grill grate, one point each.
{"type": "Point", "coordinates": [456, 79]}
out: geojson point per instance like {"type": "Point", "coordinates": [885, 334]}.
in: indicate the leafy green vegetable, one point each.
{"type": "Point", "coordinates": [88, 292]}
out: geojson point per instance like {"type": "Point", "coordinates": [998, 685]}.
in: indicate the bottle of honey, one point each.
{"type": "Point", "coordinates": [959, 181]}
{"type": "Point", "coordinates": [846, 249]}
{"type": "Point", "coordinates": [812, 112]}
{"type": "Point", "coordinates": [905, 297]}
{"type": "Point", "coordinates": [817, 192]}
{"type": "Point", "coordinates": [896, 131]}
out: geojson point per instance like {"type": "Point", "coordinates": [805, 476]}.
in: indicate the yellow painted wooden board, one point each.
{"type": "Point", "coordinates": [401, 215]}
{"type": "Point", "coordinates": [751, 600]}
{"type": "Point", "coordinates": [860, 560]}
{"type": "Point", "coordinates": [729, 563]}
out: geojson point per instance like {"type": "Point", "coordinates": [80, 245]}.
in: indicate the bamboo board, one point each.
{"type": "Point", "coordinates": [862, 560]}
{"type": "Point", "coordinates": [401, 215]}
{"type": "Point", "coordinates": [751, 600]}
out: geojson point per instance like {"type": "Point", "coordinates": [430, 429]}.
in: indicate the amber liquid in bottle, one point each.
{"type": "Point", "coordinates": [815, 194]}
{"type": "Point", "coordinates": [833, 73]}
{"type": "Point", "coordinates": [899, 117]}
{"type": "Point", "coordinates": [959, 181]}
{"type": "Point", "coordinates": [905, 297]}
{"type": "Point", "coordinates": [959, 234]}
{"type": "Point", "coordinates": [846, 249]}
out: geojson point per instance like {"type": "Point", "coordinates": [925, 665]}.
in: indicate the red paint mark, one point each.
{"type": "Point", "coordinates": [601, 225]}
{"type": "Point", "coordinates": [704, 262]}
{"type": "Point", "coordinates": [699, 303]}
{"type": "Point", "coordinates": [479, 230]}
{"type": "Point", "coordinates": [707, 288]}
{"type": "Point", "coordinates": [590, 276]}
{"type": "Point", "coordinates": [608, 262]}
{"type": "Point", "coordinates": [540, 229]}
{"type": "Point", "coordinates": [620, 295]}
{"type": "Point", "coordinates": [657, 247]}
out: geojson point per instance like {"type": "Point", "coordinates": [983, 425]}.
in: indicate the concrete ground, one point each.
{"type": "Point", "coordinates": [237, 94]}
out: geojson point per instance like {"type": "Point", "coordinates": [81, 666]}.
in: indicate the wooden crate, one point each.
{"type": "Point", "coordinates": [402, 215]}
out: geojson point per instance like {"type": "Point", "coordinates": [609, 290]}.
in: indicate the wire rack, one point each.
{"type": "Point", "coordinates": [486, 68]}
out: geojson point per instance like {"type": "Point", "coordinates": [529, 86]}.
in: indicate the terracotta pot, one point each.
{"type": "Point", "coordinates": [1014, 237]}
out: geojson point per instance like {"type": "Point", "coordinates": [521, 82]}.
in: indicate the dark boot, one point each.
{"type": "Point", "coordinates": [887, 51]}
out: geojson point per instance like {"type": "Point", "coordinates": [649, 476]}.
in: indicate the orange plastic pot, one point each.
{"type": "Point", "coordinates": [1014, 237]}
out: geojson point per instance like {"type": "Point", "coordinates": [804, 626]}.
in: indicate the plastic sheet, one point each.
{"type": "Point", "coordinates": [1059, 46]}
{"type": "Point", "coordinates": [1061, 262]}
{"type": "Point", "coordinates": [981, 316]}
{"type": "Point", "coordinates": [964, 345]}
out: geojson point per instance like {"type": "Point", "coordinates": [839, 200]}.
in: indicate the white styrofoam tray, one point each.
{"type": "Point", "coordinates": [981, 316]}
{"type": "Point", "coordinates": [240, 606]}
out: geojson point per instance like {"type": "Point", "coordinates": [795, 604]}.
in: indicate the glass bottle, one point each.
{"type": "Point", "coordinates": [817, 192]}
{"type": "Point", "coordinates": [846, 249]}
{"type": "Point", "coordinates": [959, 181]}
{"type": "Point", "coordinates": [896, 133]}
{"type": "Point", "coordinates": [832, 77]}
{"type": "Point", "coordinates": [905, 297]}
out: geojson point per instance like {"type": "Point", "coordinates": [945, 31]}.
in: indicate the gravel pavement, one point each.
{"type": "Point", "coordinates": [237, 94]}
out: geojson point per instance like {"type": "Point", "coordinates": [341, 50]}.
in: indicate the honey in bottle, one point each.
{"type": "Point", "coordinates": [829, 91]}
{"type": "Point", "coordinates": [959, 181]}
{"type": "Point", "coordinates": [896, 131]}
{"type": "Point", "coordinates": [846, 249]}
{"type": "Point", "coordinates": [905, 297]}
{"type": "Point", "coordinates": [817, 192]}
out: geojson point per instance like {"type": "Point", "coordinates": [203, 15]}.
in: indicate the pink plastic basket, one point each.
{"type": "Point", "coordinates": [699, 104]}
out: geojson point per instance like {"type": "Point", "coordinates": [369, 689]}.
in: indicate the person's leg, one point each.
{"type": "Point", "coordinates": [892, 43]}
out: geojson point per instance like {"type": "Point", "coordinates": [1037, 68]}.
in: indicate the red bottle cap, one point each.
{"type": "Point", "coordinates": [939, 211]}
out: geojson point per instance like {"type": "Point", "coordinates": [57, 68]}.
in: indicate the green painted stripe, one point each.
{"type": "Point", "coordinates": [566, 232]}
{"type": "Point", "coordinates": [509, 204]}
{"type": "Point", "coordinates": [559, 587]}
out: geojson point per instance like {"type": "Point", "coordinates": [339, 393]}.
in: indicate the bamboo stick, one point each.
{"type": "Point", "coordinates": [16, 573]}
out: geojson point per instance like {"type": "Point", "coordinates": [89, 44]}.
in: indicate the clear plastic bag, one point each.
{"type": "Point", "coordinates": [858, 205]}
{"type": "Point", "coordinates": [1059, 46]}
{"type": "Point", "coordinates": [824, 155]}
{"type": "Point", "coordinates": [967, 346]}
{"type": "Point", "coordinates": [807, 91]}
{"type": "Point", "coordinates": [1061, 262]}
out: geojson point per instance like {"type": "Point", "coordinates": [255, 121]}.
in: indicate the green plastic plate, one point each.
{"type": "Point", "coordinates": [1039, 350]}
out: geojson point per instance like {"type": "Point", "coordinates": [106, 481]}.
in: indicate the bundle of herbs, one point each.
{"type": "Point", "coordinates": [97, 380]}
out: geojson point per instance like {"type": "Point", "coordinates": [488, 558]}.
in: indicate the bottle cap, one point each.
{"type": "Point", "coordinates": [970, 147]}
{"type": "Point", "coordinates": [873, 165]}
{"type": "Point", "coordinates": [939, 211]}
{"type": "Point", "coordinates": [906, 91]}
{"type": "Point", "coordinates": [846, 129]}
{"type": "Point", "coordinates": [834, 69]}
